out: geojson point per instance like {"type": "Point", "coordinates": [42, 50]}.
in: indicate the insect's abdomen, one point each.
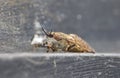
{"type": "Point", "coordinates": [82, 49]}
{"type": "Point", "coordinates": [81, 45]}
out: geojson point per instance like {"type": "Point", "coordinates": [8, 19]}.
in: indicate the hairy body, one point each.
{"type": "Point", "coordinates": [67, 43]}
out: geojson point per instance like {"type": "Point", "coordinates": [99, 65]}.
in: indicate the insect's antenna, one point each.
{"type": "Point", "coordinates": [48, 34]}
{"type": "Point", "coordinates": [51, 31]}
{"type": "Point", "coordinates": [44, 30]}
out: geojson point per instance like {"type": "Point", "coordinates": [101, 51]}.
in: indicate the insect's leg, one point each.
{"type": "Point", "coordinates": [53, 50]}
{"type": "Point", "coordinates": [48, 49]}
{"type": "Point", "coordinates": [70, 46]}
{"type": "Point", "coordinates": [66, 49]}
{"type": "Point", "coordinates": [45, 44]}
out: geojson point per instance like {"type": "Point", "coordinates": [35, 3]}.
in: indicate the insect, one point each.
{"type": "Point", "coordinates": [66, 42]}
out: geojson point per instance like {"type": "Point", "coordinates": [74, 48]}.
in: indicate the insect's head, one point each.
{"type": "Point", "coordinates": [49, 34]}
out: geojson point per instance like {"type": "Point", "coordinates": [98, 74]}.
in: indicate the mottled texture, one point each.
{"type": "Point", "coordinates": [67, 43]}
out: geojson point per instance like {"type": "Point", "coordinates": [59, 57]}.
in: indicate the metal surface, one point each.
{"type": "Point", "coordinates": [58, 65]}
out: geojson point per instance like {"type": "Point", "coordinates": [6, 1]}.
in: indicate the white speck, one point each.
{"type": "Point", "coordinates": [37, 25]}
{"type": "Point", "coordinates": [54, 63]}
{"type": "Point", "coordinates": [37, 39]}
{"type": "Point", "coordinates": [116, 12]}
{"type": "Point", "coordinates": [61, 16]}
{"type": "Point", "coordinates": [99, 73]}
{"type": "Point", "coordinates": [79, 17]}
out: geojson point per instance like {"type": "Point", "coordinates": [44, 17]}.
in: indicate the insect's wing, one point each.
{"type": "Point", "coordinates": [80, 44]}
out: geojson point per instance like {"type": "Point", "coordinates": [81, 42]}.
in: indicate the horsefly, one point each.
{"type": "Point", "coordinates": [59, 41]}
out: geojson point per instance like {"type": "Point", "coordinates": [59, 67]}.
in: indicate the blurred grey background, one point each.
{"type": "Point", "coordinates": [96, 21]}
